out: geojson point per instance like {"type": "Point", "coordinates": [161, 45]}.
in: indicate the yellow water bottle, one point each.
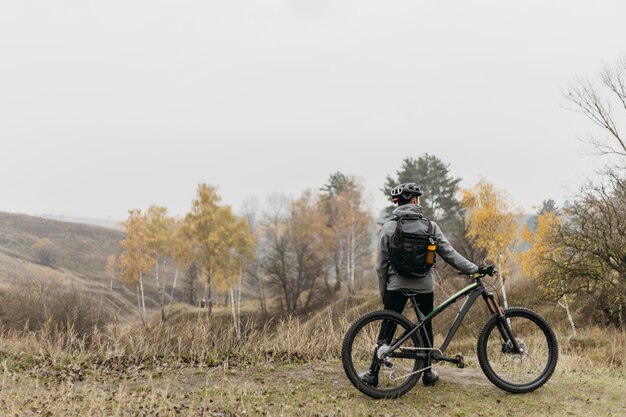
{"type": "Point", "coordinates": [431, 250]}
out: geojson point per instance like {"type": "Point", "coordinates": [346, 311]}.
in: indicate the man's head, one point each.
{"type": "Point", "coordinates": [407, 193]}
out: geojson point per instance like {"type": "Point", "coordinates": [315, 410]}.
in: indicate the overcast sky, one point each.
{"type": "Point", "coordinates": [111, 105]}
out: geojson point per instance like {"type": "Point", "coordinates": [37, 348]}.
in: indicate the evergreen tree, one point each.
{"type": "Point", "coordinates": [337, 183]}
{"type": "Point", "coordinates": [547, 206]}
{"type": "Point", "coordinates": [432, 175]}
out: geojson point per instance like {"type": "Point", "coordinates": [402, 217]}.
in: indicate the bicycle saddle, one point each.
{"type": "Point", "coordinates": [410, 293]}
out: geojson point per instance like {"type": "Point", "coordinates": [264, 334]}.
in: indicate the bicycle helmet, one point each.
{"type": "Point", "coordinates": [404, 192]}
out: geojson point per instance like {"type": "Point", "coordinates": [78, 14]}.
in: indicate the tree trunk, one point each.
{"type": "Point", "coordinates": [161, 289]}
{"type": "Point", "coordinates": [326, 283]}
{"type": "Point", "coordinates": [175, 280]}
{"type": "Point", "coordinates": [565, 305]}
{"type": "Point", "coordinates": [262, 297]}
{"type": "Point", "coordinates": [156, 275]}
{"type": "Point", "coordinates": [239, 304]}
{"type": "Point", "coordinates": [232, 307]}
{"type": "Point", "coordinates": [502, 282]}
{"type": "Point", "coordinates": [192, 275]}
{"type": "Point", "coordinates": [138, 299]}
{"type": "Point", "coordinates": [209, 301]}
{"type": "Point", "coordinates": [352, 259]}
{"type": "Point", "coordinates": [143, 300]}
{"type": "Point", "coordinates": [337, 261]}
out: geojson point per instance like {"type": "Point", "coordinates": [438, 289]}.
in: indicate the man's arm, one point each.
{"type": "Point", "coordinates": [450, 255]}
{"type": "Point", "coordinates": [382, 261]}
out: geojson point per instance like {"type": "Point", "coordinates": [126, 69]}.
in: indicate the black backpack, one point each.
{"type": "Point", "coordinates": [411, 254]}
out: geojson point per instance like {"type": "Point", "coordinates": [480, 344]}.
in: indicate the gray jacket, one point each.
{"type": "Point", "coordinates": [388, 278]}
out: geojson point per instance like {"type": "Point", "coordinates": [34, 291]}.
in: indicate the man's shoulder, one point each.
{"type": "Point", "coordinates": [389, 224]}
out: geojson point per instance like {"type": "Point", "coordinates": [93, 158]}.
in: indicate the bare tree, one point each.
{"type": "Point", "coordinates": [347, 238]}
{"type": "Point", "coordinates": [596, 99]}
{"type": "Point", "coordinates": [255, 282]}
{"type": "Point", "coordinates": [588, 250]}
{"type": "Point", "coordinates": [291, 257]}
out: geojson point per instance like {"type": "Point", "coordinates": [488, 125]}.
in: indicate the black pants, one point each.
{"type": "Point", "coordinates": [395, 300]}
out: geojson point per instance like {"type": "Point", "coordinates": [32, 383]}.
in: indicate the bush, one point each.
{"type": "Point", "coordinates": [31, 306]}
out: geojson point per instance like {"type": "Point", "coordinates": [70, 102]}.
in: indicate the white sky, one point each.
{"type": "Point", "coordinates": [111, 105]}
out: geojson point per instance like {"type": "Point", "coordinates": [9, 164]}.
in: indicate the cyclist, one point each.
{"type": "Point", "coordinates": [393, 285]}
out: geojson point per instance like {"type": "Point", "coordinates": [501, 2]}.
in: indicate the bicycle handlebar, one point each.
{"type": "Point", "coordinates": [477, 274]}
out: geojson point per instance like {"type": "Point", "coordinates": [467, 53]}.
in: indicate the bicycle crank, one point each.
{"type": "Point", "coordinates": [458, 360]}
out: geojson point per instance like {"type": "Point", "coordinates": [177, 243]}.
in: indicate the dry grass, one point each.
{"type": "Point", "coordinates": [289, 366]}
{"type": "Point", "coordinates": [200, 342]}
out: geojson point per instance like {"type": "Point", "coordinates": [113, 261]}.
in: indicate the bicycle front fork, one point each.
{"type": "Point", "coordinates": [504, 325]}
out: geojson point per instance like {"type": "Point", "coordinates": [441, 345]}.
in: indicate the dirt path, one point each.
{"type": "Point", "coordinates": [310, 389]}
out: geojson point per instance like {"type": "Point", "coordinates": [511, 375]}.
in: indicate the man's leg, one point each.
{"type": "Point", "coordinates": [426, 301]}
{"type": "Point", "coordinates": [395, 301]}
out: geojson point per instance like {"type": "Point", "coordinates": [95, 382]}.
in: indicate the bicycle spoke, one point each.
{"type": "Point", "coordinates": [395, 371]}
{"type": "Point", "coordinates": [389, 374]}
{"type": "Point", "coordinates": [514, 367]}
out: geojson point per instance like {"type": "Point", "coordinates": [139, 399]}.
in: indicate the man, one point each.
{"type": "Point", "coordinates": [392, 283]}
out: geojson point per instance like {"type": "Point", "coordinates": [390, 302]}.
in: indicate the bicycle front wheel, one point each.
{"type": "Point", "coordinates": [396, 372]}
{"type": "Point", "coordinates": [518, 370]}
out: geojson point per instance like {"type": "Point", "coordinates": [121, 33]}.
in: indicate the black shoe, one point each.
{"type": "Point", "coordinates": [369, 377]}
{"type": "Point", "coordinates": [430, 377]}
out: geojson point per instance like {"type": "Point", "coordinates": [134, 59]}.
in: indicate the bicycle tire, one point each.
{"type": "Point", "coordinates": [534, 334]}
{"type": "Point", "coordinates": [348, 355]}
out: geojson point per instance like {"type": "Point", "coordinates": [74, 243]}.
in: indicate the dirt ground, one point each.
{"type": "Point", "coordinates": [298, 389]}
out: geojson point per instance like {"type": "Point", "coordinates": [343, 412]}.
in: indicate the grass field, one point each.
{"type": "Point", "coordinates": [300, 389]}
{"type": "Point", "coordinates": [291, 367]}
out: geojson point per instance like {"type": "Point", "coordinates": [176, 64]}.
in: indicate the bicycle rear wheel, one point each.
{"type": "Point", "coordinates": [398, 371]}
{"type": "Point", "coordinates": [518, 371]}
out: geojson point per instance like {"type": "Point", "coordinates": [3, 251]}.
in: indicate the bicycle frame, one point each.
{"type": "Point", "coordinates": [472, 292]}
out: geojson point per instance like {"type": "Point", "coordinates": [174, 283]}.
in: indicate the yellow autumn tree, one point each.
{"type": "Point", "coordinates": [219, 240]}
{"type": "Point", "coordinates": [182, 253]}
{"type": "Point", "coordinates": [344, 226]}
{"type": "Point", "coordinates": [543, 261]}
{"type": "Point", "coordinates": [42, 249]}
{"type": "Point", "coordinates": [240, 247]}
{"type": "Point", "coordinates": [137, 258]}
{"type": "Point", "coordinates": [159, 229]}
{"type": "Point", "coordinates": [491, 225]}
{"type": "Point", "coordinates": [202, 226]}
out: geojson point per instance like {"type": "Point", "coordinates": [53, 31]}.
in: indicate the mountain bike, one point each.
{"type": "Point", "coordinates": [517, 349]}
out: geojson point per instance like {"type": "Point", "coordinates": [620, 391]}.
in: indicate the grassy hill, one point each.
{"type": "Point", "coordinates": [79, 248]}
{"type": "Point", "coordinates": [79, 253]}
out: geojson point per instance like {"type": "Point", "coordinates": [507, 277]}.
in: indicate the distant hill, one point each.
{"type": "Point", "coordinates": [77, 247]}
{"type": "Point", "coordinates": [111, 224]}
{"type": "Point", "coordinates": [80, 253]}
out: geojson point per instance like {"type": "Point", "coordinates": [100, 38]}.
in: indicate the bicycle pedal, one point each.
{"type": "Point", "coordinates": [460, 361]}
